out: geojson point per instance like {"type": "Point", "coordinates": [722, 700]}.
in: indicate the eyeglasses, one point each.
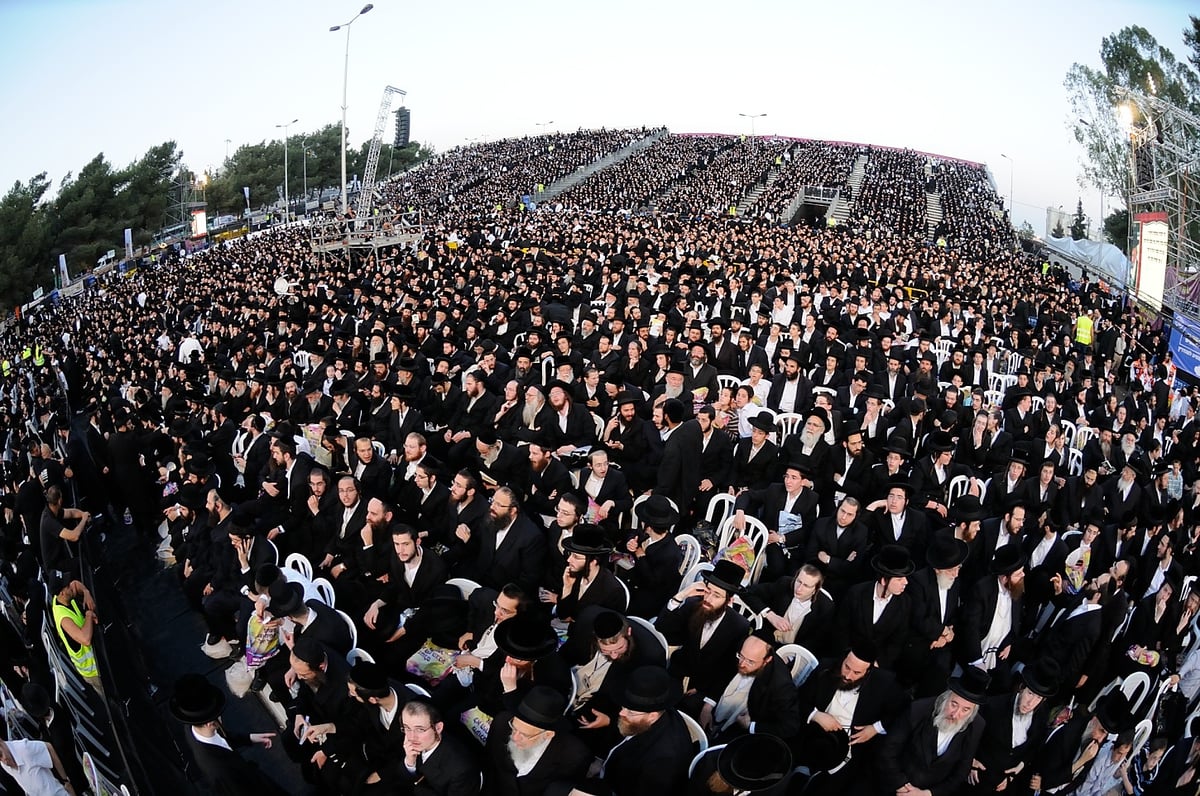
{"type": "Point", "coordinates": [501, 505]}
{"type": "Point", "coordinates": [744, 659]}
{"type": "Point", "coordinates": [416, 730]}
{"type": "Point", "coordinates": [347, 490]}
{"type": "Point", "coordinates": [503, 611]}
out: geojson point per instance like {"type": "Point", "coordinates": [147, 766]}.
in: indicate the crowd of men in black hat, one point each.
{"type": "Point", "coordinates": [410, 416]}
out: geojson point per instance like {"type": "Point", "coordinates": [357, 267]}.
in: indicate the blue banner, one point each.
{"type": "Point", "coordinates": [1185, 345]}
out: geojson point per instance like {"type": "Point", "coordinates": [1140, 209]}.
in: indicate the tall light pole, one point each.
{"type": "Point", "coordinates": [1011, 215]}
{"type": "Point", "coordinates": [228, 141]}
{"type": "Point", "coordinates": [345, 85]}
{"type": "Point", "coordinates": [307, 152]}
{"type": "Point", "coordinates": [752, 117]}
{"type": "Point", "coordinates": [287, 205]}
{"type": "Point", "coordinates": [544, 125]}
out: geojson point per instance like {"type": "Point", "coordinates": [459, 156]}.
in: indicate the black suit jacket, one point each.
{"type": "Point", "coordinates": [679, 471]}
{"type": "Point", "coordinates": [655, 762]}
{"type": "Point", "coordinates": [450, 771]}
{"type": "Point", "coordinates": [327, 627]}
{"type": "Point", "coordinates": [226, 772]}
{"type": "Point", "coordinates": [996, 751]}
{"type": "Point", "coordinates": [520, 558]}
{"type": "Point", "coordinates": [814, 632]}
{"type": "Point", "coordinates": [765, 505]}
{"type": "Point", "coordinates": [879, 698]}
{"type": "Point", "coordinates": [855, 624]}
{"type": "Point", "coordinates": [712, 666]}
{"type": "Point", "coordinates": [909, 753]}
{"type": "Point", "coordinates": [654, 578]}
{"type": "Point", "coordinates": [977, 612]}
{"type": "Point", "coordinates": [772, 702]}
{"type": "Point", "coordinates": [758, 472]}
{"type": "Point", "coordinates": [566, 759]}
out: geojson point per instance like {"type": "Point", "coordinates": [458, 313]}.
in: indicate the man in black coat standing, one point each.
{"type": "Point", "coordinates": [198, 704]}
{"type": "Point", "coordinates": [679, 472]}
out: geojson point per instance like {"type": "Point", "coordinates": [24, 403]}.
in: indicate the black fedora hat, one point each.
{"type": "Point", "coordinates": [657, 512]}
{"type": "Point", "coordinates": [763, 421]}
{"type": "Point", "coordinates": [650, 689]}
{"type": "Point", "coordinates": [286, 599]}
{"type": "Point", "coordinates": [754, 762]}
{"type": "Point", "coordinates": [726, 575]}
{"type": "Point", "coordinates": [1006, 560]}
{"type": "Point", "coordinates": [587, 540]}
{"type": "Point", "coordinates": [1114, 713]}
{"type": "Point", "coordinates": [36, 700]}
{"type": "Point", "coordinates": [967, 508]}
{"type": "Point", "coordinates": [1043, 677]}
{"type": "Point", "coordinates": [196, 701]}
{"type": "Point", "coordinates": [543, 707]}
{"type": "Point", "coordinates": [939, 442]}
{"type": "Point", "coordinates": [946, 552]}
{"type": "Point", "coordinates": [971, 685]}
{"type": "Point", "coordinates": [526, 637]}
{"type": "Point", "coordinates": [369, 675]}
{"type": "Point", "coordinates": [892, 561]}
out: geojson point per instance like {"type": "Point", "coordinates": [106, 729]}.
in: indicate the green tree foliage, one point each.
{"type": "Point", "coordinates": [1058, 230]}
{"type": "Point", "coordinates": [260, 168]}
{"type": "Point", "coordinates": [1191, 37]}
{"type": "Point", "coordinates": [1026, 231]}
{"type": "Point", "coordinates": [1079, 223]}
{"type": "Point", "coordinates": [1116, 229]}
{"type": "Point", "coordinates": [1131, 59]}
{"type": "Point", "coordinates": [24, 240]}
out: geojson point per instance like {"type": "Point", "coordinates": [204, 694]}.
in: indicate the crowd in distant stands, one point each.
{"type": "Point", "coordinates": [891, 198]}
{"type": "Point", "coordinates": [809, 163]}
{"type": "Point", "coordinates": [551, 500]}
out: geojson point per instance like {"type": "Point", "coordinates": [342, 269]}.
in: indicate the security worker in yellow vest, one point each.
{"type": "Point", "coordinates": [38, 358]}
{"type": "Point", "coordinates": [74, 613]}
{"type": "Point", "coordinates": [1083, 330]}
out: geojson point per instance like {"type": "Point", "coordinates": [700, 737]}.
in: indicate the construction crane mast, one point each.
{"type": "Point", "coordinates": [366, 193]}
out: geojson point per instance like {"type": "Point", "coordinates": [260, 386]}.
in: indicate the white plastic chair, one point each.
{"type": "Point", "coordinates": [1141, 734]}
{"type": "Point", "coordinates": [301, 358]}
{"type": "Point", "coordinates": [380, 451]}
{"type": "Point", "coordinates": [325, 589]}
{"type": "Point", "coordinates": [757, 534]}
{"type": "Point", "coordinates": [1069, 431]}
{"type": "Point", "coordinates": [993, 397]}
{"type": "Point", "coordinates": [722, 503]}
{"type": "Point", "coordinates": [725, 380]}
{"type": "Point", "coordinates": [274, 550]}
{"type": "Point", "coordinates": [624, 588]}
{"type": "Point", "coordinates": [958, 487]}
{"type": "Point", "coordinates": [691, 551]}
{"type": "Point", "coordinates": [712, 750]}
{"type": "Point", "coordinates": [465, 585]}
{"type": "Point", "coordinates": [1136, 688]}
{"type": "Point", "coordinates": [1084, 435]}
{"type": "Point", "coordinates": [300, 563]}
{"type": "Point", "coordinates": [786, 424]}
{"type": "Point", "coordinates": [695, 730]}
{"type": "Point", "coordinates": [799, 659]}
{"type": "Point", "coordinates": [350, 624]}
{"type": "Point", "coordinates": [1074, 461]}
{"type": "Point", "coordinates": [1039, 403]}
{"type": "Point", "coordinates": [355, 655]}
{"type": "Point", "coordinates": [652, 630]}
{"type": "Point", "coordinates": [419, 690]}
{"type": "Point", "coordinates": [693, 574]}
{"type": "Point", "coordinates": [640, 499]}
{"type": "Point", "coordinates": [740, 606]}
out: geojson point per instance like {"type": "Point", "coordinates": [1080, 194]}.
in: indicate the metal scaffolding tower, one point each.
{"type": "Point", "coordinates": [367, 191]}
{"type": "Point", "coordinates": [1164, 155]}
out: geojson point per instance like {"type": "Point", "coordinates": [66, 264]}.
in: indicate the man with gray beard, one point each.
{"type": "Point", "coordinates": [929, 749]}
{"type": "Point", "coordinates": [533, 747]}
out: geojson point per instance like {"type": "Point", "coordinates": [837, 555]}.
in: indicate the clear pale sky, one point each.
{"type": "Point", "coordinates": [968, 80]}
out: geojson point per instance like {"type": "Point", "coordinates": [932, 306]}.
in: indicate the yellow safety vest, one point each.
{"type": "Point", "coordinates": [38, 359]}
{"type": "Point", "coordinates": [1083, 330]}
{"type": "Point", "coordinates": [6, 366]}
{"type": "Point", "coordinates": [81, 654]}
{"type": "Point", "coordinates": [26, 352]}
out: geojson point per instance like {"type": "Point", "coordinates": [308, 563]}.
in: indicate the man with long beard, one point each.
{"type": "Point", "coordinates": [533, 747]}
{"type": "Point", "coordinates": [991, 614]}
{"type": "Point", "coordinates": [511, 548]}
{"type": "Point", "coordinates": [930, 747]}
{"type": "Point", "coordinates": [656, 748]}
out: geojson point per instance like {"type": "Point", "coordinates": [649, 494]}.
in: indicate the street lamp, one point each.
{"type": "Point", "coordinates": [286, 203]}
{"type": "Point", "coordinates": [307, 152]}
{"type": "Point", "coordinates": [544, 125]}
{"type": "Point", "coordinates": [1011, 216]}
{"type": "Point", "coordinates": [345, 84]}
{"type": "Point", "coordinates": [228, 141]}
{"type": "Point", "coordinates": [752, 117]}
